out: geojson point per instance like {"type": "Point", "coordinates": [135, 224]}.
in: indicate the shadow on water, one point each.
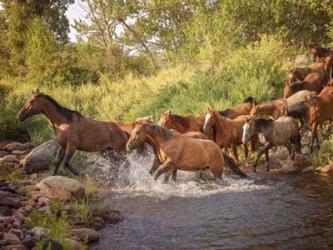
{"type": "Point", "coordinates": [263, 212]}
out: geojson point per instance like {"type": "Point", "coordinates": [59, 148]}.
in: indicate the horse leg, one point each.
{"type": "Point", "coordinates": [155, 166]}
{"type": "Point", "coordinates": [267, 159]}
{"type": "Point", "coordinates": [264, 149]}
{"type": "Point", "coordinates": [165, 167]}
{"type": "Point", "coordinates": [173, 174]}
{"type": "Point", "coordinates": [314, 135]}
{"type": "Point", "coordinates": [60, 157]}
{"type": "Point", "coordinates": [70, 149]}
{"type": "Point", "coordinates": [246, 153]}
{"type": "Point", "coordinates": [235, 153]}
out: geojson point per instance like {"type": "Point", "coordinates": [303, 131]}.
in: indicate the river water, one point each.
{"type": "Point", "coordinates": [266, 211]}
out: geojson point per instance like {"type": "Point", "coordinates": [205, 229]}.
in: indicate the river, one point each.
{"type": "Point", "coordinates": [265, 211]}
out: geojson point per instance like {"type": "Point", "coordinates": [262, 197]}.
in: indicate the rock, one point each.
{"type": "Point", "coordinates": [327, 169]}
{"type": "Point", "coordinates": [6, 220]}
{"type": "Point", "coordinates": [45, 209]}
{"type": "Point", "coordinates": [19, 152]}
{"type": "Point", "coordinates": [11, 239]}
{"type": "Point", "coordinates": [308, 169]}
{"type": "Point", "coordinates": [5, 210]}
{"type": "Point", "coordinates": [9, 159]}
{"type": "Point", "coordinates": [15, 247]}
{"type": "Point", "coordinates": [85, 234]}
{"type": "Point", "coordinates": [42, 201]}
{"type": "Point", "coordinates": [73, 244]}
{"type": "Point", "coordinates": [38, 232]}
{"type": "Point", "coordinates": [61, 187]}
{"type": "Point", "coordinates": [40, 157]}
{"type": "Point", "coordinates": [30, 202]}
{"type": "Point", "coordinates": [3, 153]}
{"type": "Point", "coordinates": [9, 199]}
{"type": "Point", "coordinates": [17, 232]}
{"type": "Point", "coordinates": [18, 146]}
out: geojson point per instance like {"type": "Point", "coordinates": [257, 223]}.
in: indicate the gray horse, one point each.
{"type": "Point", "coordinates": [283, 131]}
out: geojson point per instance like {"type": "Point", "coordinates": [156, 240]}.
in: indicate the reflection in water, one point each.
{"type": "Point", "coordinates": [274, 212]}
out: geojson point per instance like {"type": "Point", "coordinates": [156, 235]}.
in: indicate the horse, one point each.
{"type": "Point", "coordinates": [315, 80]}
{"type": "Point", "coordinates": [299, 97]}
{"type": "Point", "coordinates": [319, 53]}
{"type": "Point", "coordinates": [242, 109]}
{"type": "Point", "coordinates": [73, 131]}
{"type": "Point", "coordinates": [177, 151]}
{"type": "Point", "coordinates": [228, 132]}
{"type": "Point", "coordinates": [273, 108]}
{"type": "Point", "coordinates": [283, 131]}
{"type": "Point", "coordinates": [320, 111]}
{"type": "Point", "coordinates": [182, 124]}
{"type": "Point", "coordinates": [297, 74]}
{"type": "Point", "coordinates": [129, 126]}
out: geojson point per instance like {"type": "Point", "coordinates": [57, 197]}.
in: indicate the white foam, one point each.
{"type": "Point", "coordinates": [135, 180]}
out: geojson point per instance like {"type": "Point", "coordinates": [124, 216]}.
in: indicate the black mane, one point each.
{"type": "Point", "coordinates": [261, 123]}
{"type": "Point", "coordinates": [299, 111]}
{"type": "Point", "coordinates": [225, 112]}
{"type": "Point", "coordinates": [250, 99]}
{"type": "Point", "coordinates": [68, 113]}
{"type": "Point", "coordinates": [296, 86]}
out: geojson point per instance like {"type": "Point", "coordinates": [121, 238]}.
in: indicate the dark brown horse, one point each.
{"type": "Point", "coordinates": [242, 109]}
{"type": "Point", "coordinates": [319, 52]}
{"type": "Point", "coordinates": [297, 74]}
{"type": "Point", "coordinates": [73, 131]}
{"type": "Point", "coordinates": [177, 151]}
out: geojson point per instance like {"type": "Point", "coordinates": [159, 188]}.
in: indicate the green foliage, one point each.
{"type": "Point", "coordinates": [57, 226]}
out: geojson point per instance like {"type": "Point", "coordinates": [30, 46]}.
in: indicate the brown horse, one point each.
{"type": "Point", "coordinates": [273, 108]}
{"type": "Point", "coordinates": [297, 74]}
{"type": "Point", "coordinates": [182, 124]}
{"type": "Point", "coordinates": [319, 53]}
{"type": "Point", "coordinates": [228, 132]}
{"type": "Point", "coordinates": [176, 151]}
{"type": "Point", "coordinates": [129, 126]}
{"type": "Point", "coordinates": [242, 109]}
{"type": "Point", "coordinates": [320, 111]}
{"type": "Point", "coordinates": [73, 131]}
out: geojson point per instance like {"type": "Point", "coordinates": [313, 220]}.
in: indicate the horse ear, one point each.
{"type": "Point", "coordinates": [169, 112]}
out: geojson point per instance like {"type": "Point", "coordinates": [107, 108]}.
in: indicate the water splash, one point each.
{"type": "Point", "coordinates": [131, 177]}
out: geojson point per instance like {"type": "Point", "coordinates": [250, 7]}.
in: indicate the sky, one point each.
{"type": "Point", "coordinates": [74, 11]}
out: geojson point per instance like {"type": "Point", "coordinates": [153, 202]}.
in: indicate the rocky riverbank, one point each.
{"type": "Point", "coordinates": [38, 210]}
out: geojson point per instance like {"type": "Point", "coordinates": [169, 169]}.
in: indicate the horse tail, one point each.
{"type": "Point", "coordinates": [233, 166]}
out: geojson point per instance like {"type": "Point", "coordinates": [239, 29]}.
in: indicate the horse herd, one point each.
{"type": "Point", "coordinates": [194, 143]}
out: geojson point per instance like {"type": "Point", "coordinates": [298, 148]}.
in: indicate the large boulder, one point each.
{"type": "Point", "coordinates": [40, 157]}
{"type": "Point", "coordinates": [61, 187]}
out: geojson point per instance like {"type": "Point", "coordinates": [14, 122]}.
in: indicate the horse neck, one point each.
{"type": "Point", "coordinates": [221, 124]}
{"type": "Point", "coordinates": [180, 123]}
{"type": "Point", "coordinates": [51, 112]}
{"type": "Point", "coordinates": [155, 138]}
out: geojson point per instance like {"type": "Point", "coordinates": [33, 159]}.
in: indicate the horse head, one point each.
{"type": "Point", "coordinates": [137, 137]}
{"type": "Point", "coordinates": [166, 119]}
{"type": "Point", "coordinates": [248, 129]}
{"type": "Point", "coordinates": [210, 120]}
{"type": "Point", "coordinates": [31, 107]}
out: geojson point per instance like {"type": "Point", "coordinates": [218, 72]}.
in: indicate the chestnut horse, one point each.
{"type": "Point", "coordinates": [320, 111]}
{"type": "Point", "coordinates": [73, 131]}
{"type": "Point", "coordinates": [242, 109]}
{"type": "Point", "coordinates": [273, 108]}
{"type": "Point", "coordinates": [228, 132]}
{"type": "Point", "coordinates": [129, 126]}
{"type": "Point", "coordinates": [283, 131]}
{"type": "Point", "coordinates": [315, 80]}
{"type": "Point", "coordinates": [297, 74]}
{"type": "Point", "coordinates": [319, 52]}
{"type": "Point", "coordinates": [177, 151]}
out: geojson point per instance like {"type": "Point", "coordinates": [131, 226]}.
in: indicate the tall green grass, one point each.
{"type": "Point", "coordinates": [257, 70]}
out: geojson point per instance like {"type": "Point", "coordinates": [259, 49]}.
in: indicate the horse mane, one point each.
{"type": "Point", "coordinates": [298, 111]}
{"type": "Point", "coordinates": [68, 113]}
{"type": "Point", "coordinates": [296, 86]}
{"type": "Point", "coordinates": [251, 100]}
{"type": "Point", "coordinates": [181, 120]}
{"type": "Point", "coordinates": [160, 130]}
{"type": "Point", "coordinates": [261, 123]}
{"type": "Point", "coordinates": [225, 112]}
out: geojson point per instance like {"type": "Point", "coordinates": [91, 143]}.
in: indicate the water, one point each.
{"type": "Point", "coordinates": [275, 211]}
